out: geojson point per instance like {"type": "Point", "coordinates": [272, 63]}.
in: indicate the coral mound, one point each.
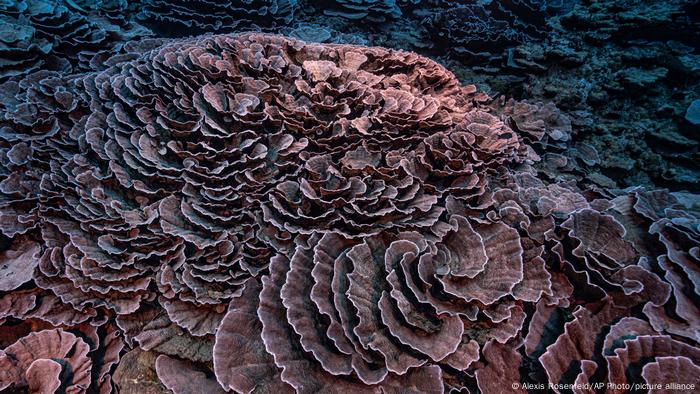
{"type": "Point", "coordinates": [252, 213]}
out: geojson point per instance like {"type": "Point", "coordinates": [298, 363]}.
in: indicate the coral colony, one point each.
{"type": "Point", "coordinates": [261, 197]}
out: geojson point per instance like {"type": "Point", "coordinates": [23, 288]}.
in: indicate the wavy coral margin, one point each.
{"type": "Point", "coordinates": [319, 218]}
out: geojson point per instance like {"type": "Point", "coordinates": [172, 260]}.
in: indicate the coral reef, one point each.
{"type": "Point", "coordinates": [190, 17]}
{"type": "Point", "coordinates": [311, 212]}
{"type": "Point", "coordinates": [254, 213]}
{"type": "Point", "coordinates": [365, 10]}
{"type": "Point", "coordinates": [48, 35]}
{"type": "Point", "coordinates": [625, 72]}
{"type": "Point", "coordinates": [474, 32]}
{"type": "Point", "coordinates": [527, 49]}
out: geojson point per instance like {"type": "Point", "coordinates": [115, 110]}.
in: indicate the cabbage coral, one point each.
{"type": "Point", "coordinates": [48, 35]}
{"type": "Point", "coordinates": [267, 215]}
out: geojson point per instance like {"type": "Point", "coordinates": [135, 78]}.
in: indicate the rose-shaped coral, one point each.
{"type": "Point", "coordinates": [153, 202]}
{"type": "Point", "coordinates": [254, 213]}
{"type": "Point", "coordinates": [32, 362]}
{"type": "Point", "coordinates": [390, 307]}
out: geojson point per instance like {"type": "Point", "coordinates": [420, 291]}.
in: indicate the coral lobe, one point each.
{"type": "Point", "coordinates": [254, 213]}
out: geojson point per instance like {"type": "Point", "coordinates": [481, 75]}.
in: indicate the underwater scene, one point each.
{"type": "Point", "coordinates": [349, 196]}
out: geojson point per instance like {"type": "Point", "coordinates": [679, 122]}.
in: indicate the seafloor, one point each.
{"type": "Point", "coordinates": [340, 196]}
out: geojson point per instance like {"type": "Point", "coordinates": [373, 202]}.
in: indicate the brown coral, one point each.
{"type": "Point", "coordinates": [320, 218]}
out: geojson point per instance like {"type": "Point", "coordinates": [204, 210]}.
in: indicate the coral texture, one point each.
{"type": "Point", "coordinates": [175, 17]}
{"type": "Point", "coordinates": [356, 10]}
{"type": "Point", "coordinates": [48, 35]}
{"type": "Point", "coordinates": [626, 72]}
{"type": "Point", "coordinates": [488, 26]}
{"type": "Point", "coordinates": [253, 213]}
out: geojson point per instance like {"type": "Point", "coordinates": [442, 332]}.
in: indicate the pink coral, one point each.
{"type": "Point", "coordinates": [251, 212]}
